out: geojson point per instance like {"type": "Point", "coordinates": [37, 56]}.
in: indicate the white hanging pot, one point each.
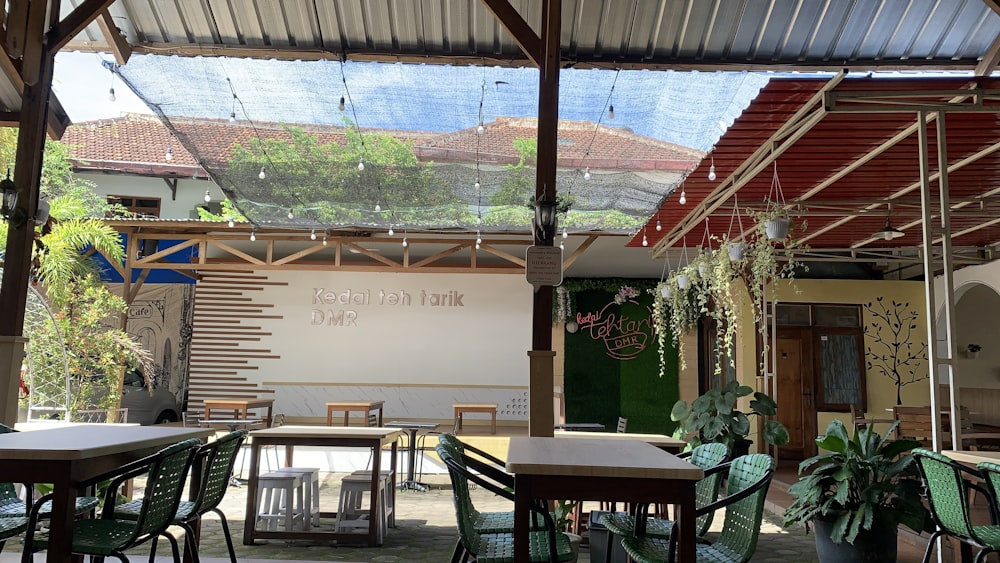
{"type": "Point", "coordinates": [683, 281]}
{"type": "Point", "coordinates": [572, 327]}
{"type": "Point", "coordinates": [777, 228]}
{"type": "Point", "coordinates": [703, 271]}
{"type": "Point", "coordinates": [736, 250]}
{"type": "Point", "coordinates": [665, 291]}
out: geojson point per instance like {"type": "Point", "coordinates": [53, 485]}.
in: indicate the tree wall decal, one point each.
{"type": "Point", "coordinates": [889, 346]}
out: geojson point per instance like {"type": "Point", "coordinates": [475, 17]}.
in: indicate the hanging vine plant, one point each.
{"type": "Point", "coordinates": [564, 304]}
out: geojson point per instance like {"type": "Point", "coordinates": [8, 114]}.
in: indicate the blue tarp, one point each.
{"type": "Point", "coordinates": [110, 275]}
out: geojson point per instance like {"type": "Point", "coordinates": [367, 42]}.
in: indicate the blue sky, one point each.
{"type": "Point", "coordinates": [82, 84]}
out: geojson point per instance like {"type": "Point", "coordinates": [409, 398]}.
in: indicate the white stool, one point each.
{"type": "Point", "coordinates": [350, 515]}
{"type": "Point", "coordinates": [386, 494]}
{"type": "Point", "coordinates": [310, 486]}
{"type": "Point", "coordinates": [277, 495]}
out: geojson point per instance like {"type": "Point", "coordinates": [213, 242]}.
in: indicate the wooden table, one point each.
{"type": "Point", "coordinates": [661, 441]}
{"type": "Point", "coordinates": [365, 407]}
{"type": "Point", "coordinates": [589, 468]}
{"type": "Point", "coordinates": [70, 456]}
{"type": "Point", "coordinates": [488, 408]}
{"type": "Point", "coordinates": [323, 436]}
{"type": "Point", "coordinates": [239, 407]}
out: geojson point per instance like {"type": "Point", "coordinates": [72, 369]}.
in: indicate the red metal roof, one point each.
{"type": "Point", "coordinates": [840, 174]}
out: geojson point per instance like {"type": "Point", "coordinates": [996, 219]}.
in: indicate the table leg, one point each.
{"type": "Point", "coordinates": [329, 416]}
{"type": "Point", "coordinates": [522, 502]}
{"type": "Point", "coordinates": [63, 512]}
{"type": "Point", "coordinates": [195, 485]}
{"type": "Point", "coordinates": [347, 413]}
{"type": "Point", "coordinates": [374, 522]}
{"type": "Point", "coordinates": [685, 520]}
{"type": "Point", "coordinates": [380, 409]}
{"type": "Point", "coordinates": [250, 521]}
{"type": "Point", "coordinates": [493, 421]}
{"type": "Point", "coordinates": [392, 485]}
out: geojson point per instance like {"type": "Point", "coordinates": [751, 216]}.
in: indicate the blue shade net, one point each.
{"type": "Point", "coordinates": [416, 130]}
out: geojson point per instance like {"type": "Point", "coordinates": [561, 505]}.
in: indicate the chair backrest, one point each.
{"type": "Point", "coordinates": [278, 420]}
{"type": "Point", "coordinates": [991, 474]}
{"type": "Point", "coordinates": [914, 423]}
{"type": "Point", "coordinates": [946, 492]}
{"type": "Point", "coordinates": [465, 513]}
{"type": "Point", "coordinates": [167, 470]}
{"type": "Point", "coordinates": [707, 456]}
{"type": "Point", "coordinates": [622, 424]}
{"type": "Point", "coordinates": [217, 458]}
{"type": "Point", "coordinates": [743, 517]}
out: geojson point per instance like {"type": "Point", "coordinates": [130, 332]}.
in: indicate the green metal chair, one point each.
{"type": "Point", "coordinates": [11, 527]}
{"type": "Point", "coordinates": [216, 460]}
{"type": "Point", "coordinates": [709, 457]}
{"type": "Point", "coordinates": [109, 536]}
{"type": "Point", "coordinates": [948, 499]}
{"type": "Point", "coordinates": [749, 477]}
{"type": "Point", "coordinates": [11, 505]}
{"type": "Point", "coordinates": [544, 545]}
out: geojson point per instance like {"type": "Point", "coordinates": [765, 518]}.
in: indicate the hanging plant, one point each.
{"type": "Point", "coordinates": [722, 274]}
{"type": "Point", "coordinates": [564, 300]}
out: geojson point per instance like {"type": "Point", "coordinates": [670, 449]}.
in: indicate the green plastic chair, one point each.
{"type": "Point", "coordinates": [543, 545]}
{"type": "Point", "coordinates": [948, 499]}
{"type": "Point", "coordinates": [11, 527]}
{"type": "Point", "coordinates": [217, 460]}
{"type": "Point", "coordinates": [749, 478]}
{"type": "Point", "coordinates": [11, 505]}
{"type": "Point", "coordinates": [109, 536]}
{"type": "Point", "coordinates": [709, 457]}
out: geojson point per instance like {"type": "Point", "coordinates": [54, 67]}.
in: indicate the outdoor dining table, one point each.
{"type": "Point", "coordinates": [411, 450]}
{"type": "Point", "coordinates": [592, 468]}
{"type": "Point", "coordinates": [70, 457]}
{"type": "Point", "coordinates": [662, 441]}
{"type": "Point", "coordinates": [323, 436]}
{"type": "Point", "coordinates": [239, 407]}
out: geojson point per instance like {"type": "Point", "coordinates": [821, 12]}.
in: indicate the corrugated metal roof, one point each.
{"type": "Point", "coordinates": [644, 33]}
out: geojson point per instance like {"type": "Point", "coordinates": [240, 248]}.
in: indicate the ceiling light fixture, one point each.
{"type": "Point", "coordinates": [889, 232]}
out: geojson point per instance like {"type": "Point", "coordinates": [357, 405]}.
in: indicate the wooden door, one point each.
{"type": "Point", "coordinates": [795, 395]}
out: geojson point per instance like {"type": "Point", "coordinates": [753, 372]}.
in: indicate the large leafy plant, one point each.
{"type": "Point", "coordinates": [713, 417]}
{"type": "Point", "coordinates": [858, 481]}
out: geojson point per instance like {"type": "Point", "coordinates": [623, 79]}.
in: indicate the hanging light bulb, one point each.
{"type": "Point", "coordinates": [361, 166]}
{"type": "Point", "coordinates": [562, 245]}
{"type": "Point", "coordinates": [324, 240]}
{"type": "Point", "coordinates": [253, 236]}
{"type": "Point", "coordinates": [565, 234]}
{"type": "Point", "coordinates": [645, 241]}
{"type": "Point", "coordinates": [481, 129]}
{"type": "Point", "coordinates": [659, 227]}
{"type": "Point", "coordinates": [478, 185]}
{"type": "Point", "coordinates": [611, 111]}
{"type": "Point", "coordinates": [262, 175]}
{"type": "Point", "coordinates": [711, 173]}
{"type": "Point", "coordinates": [208, 196]}
{"type": "Point", "coordinates": [111, 94]}
{"type": "Point", "coordinates": [479, 239]}
{"type": "Point", "coordinates": [169, 154]}
{"type": "Point", "coordinates": [586, 174]}
{"type": "Point", "coordinates": [312, 235]}
{"type": "Point", "coordinates": [391, 232]}
{"type": "Point", "coordinates": [378, 208]}
{"type": "Point", "coordinates": [232, 117]}
{"type": "Point", "coordinates": [683, 198]}
{"type": "Point", "coordinates": [405, 244]}
{"type": "Point", "coordinates": [232, 223]}
{"type": "Point", "coordinates": [342, 105]}
{"type": "Point", "coordinates": [291, 213]}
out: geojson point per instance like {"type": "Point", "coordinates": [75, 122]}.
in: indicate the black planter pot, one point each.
{"type": "Point", "coordinates": [877, 545]}
{"type": "Point", "coordinates": [741, 447]}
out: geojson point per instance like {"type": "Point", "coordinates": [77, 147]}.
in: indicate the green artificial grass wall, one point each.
{"type": "Point", "coordinates": [600, 387]}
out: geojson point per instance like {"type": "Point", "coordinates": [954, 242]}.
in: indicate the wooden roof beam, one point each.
{"type": "Point", "coordinates": [75, 22]}
{"type": "Point", "coordinates": [119, 45]}
{"type": "Point", "coordinates": [525, 37]}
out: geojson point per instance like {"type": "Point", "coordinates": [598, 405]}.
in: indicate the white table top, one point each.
{"type": "Point", "coordinates": [50, 424]}
{"type": "Point", "coordinates": [596, 457]}
{"type": "Point", "coordinates": [326, 432]}
{"type": "Point", "coordinates": [965, 456]}
{"type": "Point", "coordinates": [67, 443]}
{"type": "Point", "coordinates": [658, 440]}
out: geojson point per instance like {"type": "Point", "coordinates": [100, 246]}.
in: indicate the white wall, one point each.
{"type": "Point", "coordinates": [977, 319]}
{"type": "Point", "coordinates": [190, 192]}
{"type": "Point", "coordinates": [421, 342]}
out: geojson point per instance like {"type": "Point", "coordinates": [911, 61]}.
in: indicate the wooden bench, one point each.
{"type": "Point", "coordinates": [462, 408]}
{"type": "Point", "coordinates": [915, 424]}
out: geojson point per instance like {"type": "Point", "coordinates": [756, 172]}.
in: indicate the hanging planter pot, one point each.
{"type": "Point", "coordinates": [683, 281]}
{"type": "Point", "coordinates": [572, 327]}
{"type": "Point", "coordinates": [736, 251]}
{"type": "Point", "coordinates": [665, 291]}
{"type": "Point", "coordinates": [703, 270]}
{"type": "Point", "coordinates": [777, 228]}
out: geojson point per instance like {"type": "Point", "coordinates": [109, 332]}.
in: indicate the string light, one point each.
{"type": "Point", "coordinates": [378, 208]}
{"type": "Point", "coordinates": [291, 213]}
{"type": "Point", "coordinates": [405, 244]}
{"type": "Point", "coordinates": [232, 114]}
{"type": "Point", "coordinates": [232, 223]}
{"type": "Point", "coordinates": [208, 196]}
{"type": "Point", "coordinates": [711, 171]}
{"type": "Point", "coordinates": [391, 232]}
{"type": "Point", "coordinates": [478, 185]}
{"type": "Point", "coordinates": [361, 165]}
{"type": "Point", "coordinates": [342, 105]}
{"type": "Point", "coordinates": [562, 245]}
{"type": "Point", "coordinates": [659, 227]}
{"type": "Point", "coordinates": [481, 129]}
{"type": "Point", "coordinates": [324, 240]}
{"type": "Point", "coordinates": [479, 240]}
{"type": "Point", "coordinates": [169, 155]}
{"type": "Point", "coordinates": [253, 236]}
{"type": "Point", "coordinates": [586, 174]}
{"type": "Point", "coordinates": [683, 199]}
{"type": "Point", "coordinates": [312, 235]}
{"type": "Point", "coordinates": [111, 91]}
{"type": "Point", "coordinates": [232, 117]}
{"type": "Point", "coordinates": [565, 234]}
{"type": "Point", "coordinates": [611, 111]}
{"type": "Point", "coordinates": [262, 175]}
{"type": "Point", "coordinates": [645, 241]}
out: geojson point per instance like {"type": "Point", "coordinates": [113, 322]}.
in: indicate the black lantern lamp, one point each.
{"type": "Point", "coordinates": [10, 211]}
{"type": "Point", "coordinates": [545, 219]}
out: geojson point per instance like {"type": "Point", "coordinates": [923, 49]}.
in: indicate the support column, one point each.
{"type": "Point", "coordinates": [541, 371]}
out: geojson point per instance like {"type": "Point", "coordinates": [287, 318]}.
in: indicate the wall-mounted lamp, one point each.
{"type": "Point", "coordinates": [10, 211]}
{"type": "Point", "coordinates": [545, 219]}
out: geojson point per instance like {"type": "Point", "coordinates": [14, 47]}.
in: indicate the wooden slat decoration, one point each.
{"type": "Point", "coordinates": [225, 340]}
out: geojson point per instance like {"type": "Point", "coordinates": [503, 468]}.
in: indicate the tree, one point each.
{"type": "Point", "coordinates": [891, 350]}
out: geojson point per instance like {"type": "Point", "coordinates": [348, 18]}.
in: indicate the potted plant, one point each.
{"type": "Point", "coordinates": [972, 351]}
{"type": "Point", "coordinates": [713, 417]}
{"type": "Point", "coordinates": [859, 490]}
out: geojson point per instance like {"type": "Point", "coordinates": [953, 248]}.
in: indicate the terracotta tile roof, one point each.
{"type": "Point", "coordinates": [138, 144]}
